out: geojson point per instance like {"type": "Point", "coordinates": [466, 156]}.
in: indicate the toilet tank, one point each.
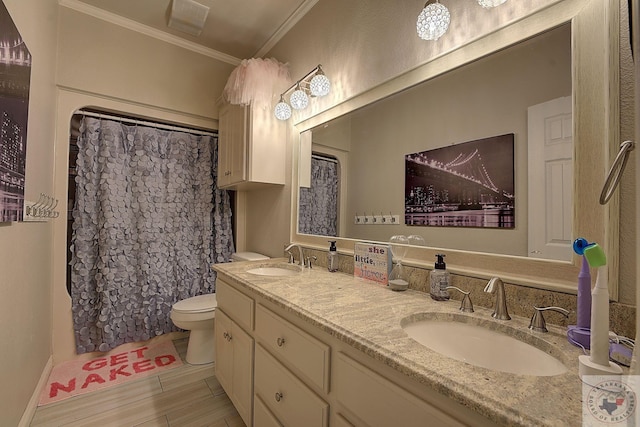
{"type": "Point", "coordinates": [248, 256]}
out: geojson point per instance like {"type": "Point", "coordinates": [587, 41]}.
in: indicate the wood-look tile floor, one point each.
{"type": "Point", "coordinates": [186, 396]}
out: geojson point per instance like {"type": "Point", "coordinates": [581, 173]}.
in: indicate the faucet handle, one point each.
{"type": "Point", "coordinates": [538, 323]}
{"type": "Point", "coordinates": [308, 260]}
{"type": "Point", "coordinates": [291, 259]}
{"type": "Point", "coordinates": [466, 305]}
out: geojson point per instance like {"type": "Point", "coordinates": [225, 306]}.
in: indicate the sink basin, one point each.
{"type": "Point", "coordinates": [274, 271]}
{"type": "Point", "coordinates": [480, 346]}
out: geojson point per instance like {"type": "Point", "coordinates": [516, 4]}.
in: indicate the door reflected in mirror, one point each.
{"type": "Point", "coordinates": [359, 163]}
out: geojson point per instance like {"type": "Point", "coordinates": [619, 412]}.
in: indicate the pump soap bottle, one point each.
{"type": "Point", "coordinates": [332, 258]}
{"type": "Point", "coordinates": [439, 280]}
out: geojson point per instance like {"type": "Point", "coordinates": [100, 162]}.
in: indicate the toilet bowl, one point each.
{"type": "Point", "coordinates": [196, 314]}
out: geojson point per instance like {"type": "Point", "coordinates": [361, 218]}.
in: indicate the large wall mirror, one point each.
{"type": "Point", "coordinates": [547, 81]}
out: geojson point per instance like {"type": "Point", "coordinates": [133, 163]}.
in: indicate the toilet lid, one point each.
{"type": "Point", "coordinates": [197, 304]}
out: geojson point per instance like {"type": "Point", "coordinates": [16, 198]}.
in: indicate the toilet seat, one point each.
{"type": "Point", "coordinates": [197, 304]}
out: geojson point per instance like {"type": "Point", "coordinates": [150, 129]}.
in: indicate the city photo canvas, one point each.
{"type": "Point", "coordinates": [470, 184]}
{"type": "Point", "coordinates": [15, 77]}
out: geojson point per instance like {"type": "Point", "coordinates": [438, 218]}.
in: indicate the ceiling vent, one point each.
{"type": "Point", "coordinates": [188, 16]}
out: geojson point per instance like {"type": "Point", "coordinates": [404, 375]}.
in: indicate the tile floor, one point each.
{"type": "Point", "coordinates": [187, 396]}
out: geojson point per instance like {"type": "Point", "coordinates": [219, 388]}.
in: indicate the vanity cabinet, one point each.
{"type": "Point", "coordinates": [374, 400]}
{"type": "Point", "coordinates": [303, 376]}
{"type": "Point", "coordinates": [295, 348]}
{"type": "Point", "coordinates": [235, 348]}
{"type": "Point", "coordinates": [289, 364]}
{"type": "Point", "coordinates": [248, 136]}
{"type": "Point", "coordinates": [285, 395]}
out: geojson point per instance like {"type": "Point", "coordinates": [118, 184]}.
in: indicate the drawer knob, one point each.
{"type": "Point", "coordinates": [280, 342]}
{"type": "Point", "coordinates": [227, 336]}
{"type": "Point", "coordinates": [278, 396]}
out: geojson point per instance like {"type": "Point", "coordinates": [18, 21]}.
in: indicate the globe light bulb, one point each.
{"type": "Point", "coordinates": [320, 84]}
{"type": "Point", "coordinates": [299, 99]}
{"type": "Point", "coordinates": [490, 3]}
{"type": "Point", "coordinates": [282, 110]}
{"type": "Point", "coordinates": [433, 21]}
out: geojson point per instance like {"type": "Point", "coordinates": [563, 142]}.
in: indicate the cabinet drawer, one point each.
{"type": "Point", "coordinates": [294, 347]}
{"type": "Point", "coordinates": [288, 398]}
{"type": "Point", "coordinates": [262, 416]}
{"type": "Point", "coordinates": [236, 304]}
{"type": "Point", "coordinates": [379, 402]}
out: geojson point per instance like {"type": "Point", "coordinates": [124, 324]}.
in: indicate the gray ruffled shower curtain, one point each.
{"type": "Point", "coordinates": [148, 224]}
{"type": "Point", "coordinates": [318, 207]}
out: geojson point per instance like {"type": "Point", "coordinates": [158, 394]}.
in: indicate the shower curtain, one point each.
{"type": "Point", "coordinates": [318, 211]}
{"type": "Point", "coordinates": [145, 230]}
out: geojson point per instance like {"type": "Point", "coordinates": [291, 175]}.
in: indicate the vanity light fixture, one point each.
{"type": "Point", "coordinates": [433, 21]}
{"type": "Point", "coordinates": [314, 84]}
{"type": "Point", "coordinates": [490, 3]}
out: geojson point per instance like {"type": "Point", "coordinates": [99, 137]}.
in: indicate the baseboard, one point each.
{"type": "Point", "coordinates": [30, 411]}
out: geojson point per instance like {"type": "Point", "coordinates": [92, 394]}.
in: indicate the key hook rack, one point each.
{"type": "Point", "coordinates": [42, 210]}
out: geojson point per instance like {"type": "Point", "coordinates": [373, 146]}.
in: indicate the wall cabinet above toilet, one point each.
{"type": "Point", "coordinates": [251, 147]}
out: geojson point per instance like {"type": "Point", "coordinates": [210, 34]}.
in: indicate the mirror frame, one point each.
{"type": "Point", "coordinates": [595, 76]}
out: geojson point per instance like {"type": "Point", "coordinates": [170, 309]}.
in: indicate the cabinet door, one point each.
{"type": "Point", "coordinates": [232, 144]}
{"type": "Point", "coordinates": [242, 372]}
{"type": "Point", "coordinates": [224, 351]}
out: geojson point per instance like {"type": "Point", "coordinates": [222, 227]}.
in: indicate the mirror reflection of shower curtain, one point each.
{"type": "Point", "coordinates": [318, 211]}
{"type": "Point", "coordinates": [142, 230]}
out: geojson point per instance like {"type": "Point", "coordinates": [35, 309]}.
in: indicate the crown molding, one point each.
{"type": "Point", "coordinates": [297, 15]}
{"type": "Point", "coordinates": [132, 25]}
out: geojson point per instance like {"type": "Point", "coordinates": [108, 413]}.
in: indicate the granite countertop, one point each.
{"type": "Point", "coordinates": [368, 317]}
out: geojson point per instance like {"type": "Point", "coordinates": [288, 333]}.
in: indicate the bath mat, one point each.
{"type": "Point", "coordinates": [77, 377]}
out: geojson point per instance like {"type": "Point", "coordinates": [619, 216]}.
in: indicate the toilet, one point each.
{"type": "Point", "coordinates": [197, 314]}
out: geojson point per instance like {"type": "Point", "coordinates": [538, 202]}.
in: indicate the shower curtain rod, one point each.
{"type": "Point", "coordinates": [144, 123]}
{"type": "Point", "coordinates": [326, 159]}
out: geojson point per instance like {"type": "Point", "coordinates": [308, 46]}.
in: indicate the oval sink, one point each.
{"type": "Point", "coordinates": [483, 347]}
{"type": "Point", "coordinates": [273, 271]}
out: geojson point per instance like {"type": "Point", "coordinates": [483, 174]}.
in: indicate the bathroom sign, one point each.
{"type": "Point", "coordinates": [372, 262]}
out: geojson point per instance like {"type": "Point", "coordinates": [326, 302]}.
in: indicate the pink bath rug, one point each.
{"type": "Point", "coordinates": [77, 377]}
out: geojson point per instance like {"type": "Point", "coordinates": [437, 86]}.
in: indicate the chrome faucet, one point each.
{"type": "Point", "coordinates": [537, 320]}
{"type": "Point", "coordinates": [496, 286]}
{"type": "Point", "coordinates": [288, 251]}
{"type": "Point", "coordinates": [466, 305]}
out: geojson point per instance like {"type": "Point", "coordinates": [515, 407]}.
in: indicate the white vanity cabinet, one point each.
{"type": "Point", "coordinates": [290, 364]}
{"type": "Point", "coordinates": [251, 147]}
{"type": "Point", "coordinates": [235, 348]}
{"type": "Point", "coordinates": [303, 376]}
{"type": "Point", "coordinates": [373, 400]}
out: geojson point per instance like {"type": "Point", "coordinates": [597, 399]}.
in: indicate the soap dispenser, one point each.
{"type": "Point", "coordinates": [439, 280]}
{"type": "Point", "coordinates": [332, 258]}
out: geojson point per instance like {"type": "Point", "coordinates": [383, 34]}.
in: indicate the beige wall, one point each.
{"type": "Point", "coordinates": [25, 248]}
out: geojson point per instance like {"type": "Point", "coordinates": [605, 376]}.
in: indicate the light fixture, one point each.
{"type": "Point", "coordinates": [490, 3]}
{"type": "Point", "coordinates": [299, 98]}
{"type": "Point", "coordinates": [320, 84]}
{"type": "Point", "coordinates": [282, 110]}
{"type": "Point", "coordinates": [314, 84]}
{"type": "Point", "coordinates": [433, 21]}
